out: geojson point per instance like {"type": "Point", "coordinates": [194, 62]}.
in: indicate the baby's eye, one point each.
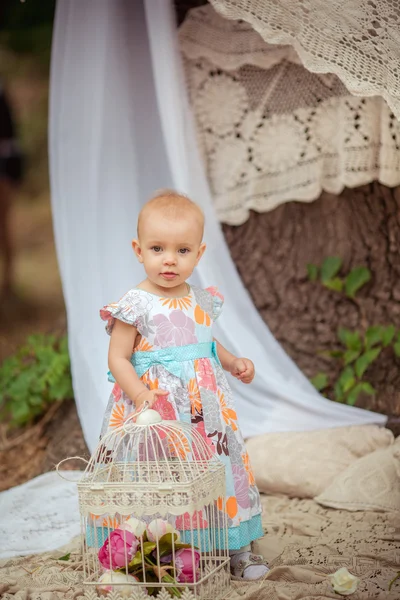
{"type": "Point", "coordinates": [156, 248]}
{"type": "Point", "coordinates": [184, 251]}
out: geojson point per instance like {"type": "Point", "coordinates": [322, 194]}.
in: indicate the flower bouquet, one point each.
{"type": "Point", "coordinates": [150, 553]}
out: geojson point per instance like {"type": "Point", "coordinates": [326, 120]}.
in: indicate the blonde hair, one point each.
{"type": "Point", "coordinates": [173, 204]}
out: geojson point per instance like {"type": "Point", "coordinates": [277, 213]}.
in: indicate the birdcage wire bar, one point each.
{"type": "Point", "coordinates": [159, 471]}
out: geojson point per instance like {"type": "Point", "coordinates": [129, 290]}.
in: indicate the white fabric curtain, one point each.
{"type": "Point", "coordinates": [121, 127]}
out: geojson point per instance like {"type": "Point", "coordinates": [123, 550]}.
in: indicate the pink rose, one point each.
{"type": "Point", "coordinates": [118, 549]}
{"type": "Point", "coordinates": [184, 560]}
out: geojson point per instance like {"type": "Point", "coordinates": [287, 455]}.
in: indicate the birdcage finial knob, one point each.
{"type": "Point", "coordinates": [148, 416]}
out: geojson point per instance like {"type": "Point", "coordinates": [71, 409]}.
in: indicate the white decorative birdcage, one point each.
{"type": "Point", "coordinates": [151, 502]}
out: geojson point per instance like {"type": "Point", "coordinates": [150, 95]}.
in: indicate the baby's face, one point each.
{"type": "Point", "coordinates": [169, 248]}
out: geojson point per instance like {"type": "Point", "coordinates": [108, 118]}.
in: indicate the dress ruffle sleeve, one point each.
{"type": "Point", "coordinates": [127, 310]}
{"type": "Point", "coordinates": [218, 301]}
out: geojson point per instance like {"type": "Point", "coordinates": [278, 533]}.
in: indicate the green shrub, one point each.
{"type": "Point", "coordinates": [34, 377]}
{"type": "Point", "coordinates": [356, 350]}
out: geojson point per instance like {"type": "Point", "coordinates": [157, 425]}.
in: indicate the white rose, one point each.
{"type": "Point", "coordinates": [157, 528]}
{"type": "Point", "coordinates": [135, 526]}
{"type": "Point", "coordinates": [343, 582]}
{"type": "Point", "coordinates": [110, 578]}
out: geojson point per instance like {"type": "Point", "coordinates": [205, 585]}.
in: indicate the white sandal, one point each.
{"type": "Point", "coordinates": [247, 559]}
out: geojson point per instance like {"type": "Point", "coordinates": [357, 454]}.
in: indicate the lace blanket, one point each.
{"type": "Point", "coordinates": [303, 543]}
{"type": "Point", "coordinates": [269, 130]}
{"type": "Point", "coordinates": [40, 514]}
{"type": "Point", "coordinates": [358, 40]}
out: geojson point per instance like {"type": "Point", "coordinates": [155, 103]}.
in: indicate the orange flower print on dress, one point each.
{"type": "Point", "coordinates": [231, 507]}
{"type": "Point", "coordinates": [247, 466]}
{"type": "Point", "coordinates": [201, 317]}
{"type": "Point", "coordinates": [117, 416]}
{"type": "Point", "coordinates": [228, 414]}
{"type": "Point", "coordinates": [177, 303]}
{"type": "Point", "coordinates": [111, 522]}
{"type": "Point", "coordinates": [143, 346]}
{"type": "Point", "coordinates": [152, 384]}
{"type": "Point", "coordinates": [178, 444]}
{"type": "Point", "coordinates": [194, 395]}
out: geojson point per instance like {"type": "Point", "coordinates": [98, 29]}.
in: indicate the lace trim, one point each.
{"type": "Point", "coordinates": [263, 145]}
{"type": "Point", "coordinates": [358, 40]}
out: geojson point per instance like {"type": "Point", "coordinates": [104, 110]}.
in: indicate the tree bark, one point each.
{"type": "Point", "coordinates": [271, 251]}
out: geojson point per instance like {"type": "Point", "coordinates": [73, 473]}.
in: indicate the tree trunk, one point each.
{"type": "Point", "coordinates": [271, 251]}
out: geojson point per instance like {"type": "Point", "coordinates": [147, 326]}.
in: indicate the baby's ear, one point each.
{"type": "Point", "coordinates": [201, 251]}
{"type": "Point", "coordinates": [137, 250]}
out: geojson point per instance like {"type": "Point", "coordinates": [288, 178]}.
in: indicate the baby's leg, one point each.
{"type": "Point", "coordinates": [246, 565]}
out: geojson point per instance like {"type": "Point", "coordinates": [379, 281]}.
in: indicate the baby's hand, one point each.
{"type": "Point", "coordinates": [149, 396]}
{"type": "Point", "coordinates": [242, 369]}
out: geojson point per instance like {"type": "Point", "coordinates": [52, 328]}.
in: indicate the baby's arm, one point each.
{"type": "Point", "coordinates": [226, 358]}
{"type": "Point", "coordinates": [120, 351]}
{"type": "Point", "coordinates": [241, 368]}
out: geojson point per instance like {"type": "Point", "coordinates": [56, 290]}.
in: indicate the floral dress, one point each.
{"type": "Point", "coordinates": [199, 392]}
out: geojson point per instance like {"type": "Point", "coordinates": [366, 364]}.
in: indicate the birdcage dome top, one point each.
{"type": "Point", "coordinates": [149, 465]}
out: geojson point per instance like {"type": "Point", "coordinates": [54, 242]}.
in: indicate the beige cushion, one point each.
{"type": "Point", "coordinates": [303, 464]}
{"type": "Point", "coordinates": [370, 483]}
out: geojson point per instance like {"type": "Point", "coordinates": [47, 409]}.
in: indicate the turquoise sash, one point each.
{"type": "Point", "coordinates": [171, 358]}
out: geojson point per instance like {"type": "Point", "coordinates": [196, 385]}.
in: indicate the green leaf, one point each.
{"type": "Point", "coordinates": [331, 353]}
{"type": "Point", "coordinates": [148, 547]}
{"type": "Point", "coordinates": [373, 336]}
{"type": "Point", "coordinates": [365, 360]}
{"type": "Point", "coordinates": [356, 279]}
{"type": "Point", "coordinates": [350, 356]}
{"type": "Point", "coordinates": [165, 543]}
{"type": "Point", "coordinates": [180, 545]}
{"type": "Point", "coordinates": [320, 381]}
{"type": "Point", "coordinates": [350, 339]}
{"type": "Point", "coordinates": [338, 391]}
{"type": "Point", "coordinates": [136, 560]}
{"type": "Point", "coordinates": [336, 353]}
{"type": "Point", "coordinates": [36, 374]}
{"type": "Point", "coordinates": [312, 272]}
{"type": "Point", "coordinates": [388, 335]}
{"type": "Point", "coordinates": [65, 557]}
{"type": "Point", "coordinates": [347, 379]}
{"type": "Point", "coordinates": [36, 400]}
{"type": "Point", "coordinates": [20, 413]}
{"type": "Point", "coordinates": [343, 334]}
{"type": "Point", "coordinates": [62, 389]}
{"type": "Point", "coordinates": [396, 348]}
{"type": "Point", "coordinates": [336, 284]}
{"type": "Point", "coordinates": [362, 387]}
{"type": "Point", "coordinates": [330, 268]}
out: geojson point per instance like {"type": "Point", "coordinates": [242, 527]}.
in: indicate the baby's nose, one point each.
{"type": "Point", "coordinates": [170, 259]}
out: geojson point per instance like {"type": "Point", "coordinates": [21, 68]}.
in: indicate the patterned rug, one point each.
{"type": "Point", "coordinates": [303, 543]}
